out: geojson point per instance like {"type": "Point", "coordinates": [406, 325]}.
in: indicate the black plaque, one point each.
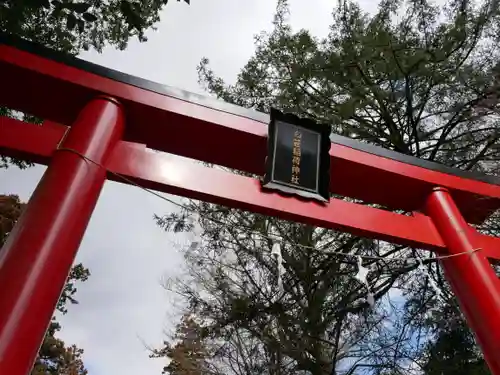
{"type": "Point", "coordinates": [298, 160]}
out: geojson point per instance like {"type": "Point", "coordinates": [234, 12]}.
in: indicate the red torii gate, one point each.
{"type": "Point", "coordinates": [112, 118]}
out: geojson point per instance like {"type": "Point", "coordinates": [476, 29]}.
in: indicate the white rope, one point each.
{"type": "Point", "coordinates": [272, 238]}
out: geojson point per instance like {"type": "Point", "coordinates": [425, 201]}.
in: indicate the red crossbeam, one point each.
{"type": "Point", "coordinates": [57, 92]}
{"type": "Point", "coordinates": [174, 175]}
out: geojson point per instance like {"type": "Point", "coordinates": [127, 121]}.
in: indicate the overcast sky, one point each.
{"type": "Point", "coordinates": [122, 305]}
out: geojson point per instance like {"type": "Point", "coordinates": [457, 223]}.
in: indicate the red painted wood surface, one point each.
{"type": "Point", "coordinates": [36, 259]}
{"type": "Point", "coordinates": [56, 92]}
{"type": "Point", "coordinates": [472, 279]}
{"type": "Point", "coordinates": [171, 174]}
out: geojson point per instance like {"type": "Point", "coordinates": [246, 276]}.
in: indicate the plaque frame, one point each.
{"type": "Point", "coordinates": [322, 192]}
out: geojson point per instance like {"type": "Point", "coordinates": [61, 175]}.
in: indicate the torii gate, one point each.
{"type": "Point", "coordinates": [112, 118]}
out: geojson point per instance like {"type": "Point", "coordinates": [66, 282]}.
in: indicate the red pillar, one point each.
{"type": "Point", "coordinates": [38, 255]}
{"type": "Point", "coordinates": [471, 277]}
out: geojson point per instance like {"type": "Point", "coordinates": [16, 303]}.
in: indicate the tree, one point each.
{"type": "Point", "coordinates": [455, 352]}
{"type": "Point", "coordinates": [81, 24]}
{"type": "Point", "coordinates": [189, 355]}
{"type": "Point", "coordinates": [54, 358]}
{"type": "Point", "coordinates": [415, 77]}
{"type": "Point", "coordinates": [453, 349]}
{"type": "Point", "coordinates": [10, 210]}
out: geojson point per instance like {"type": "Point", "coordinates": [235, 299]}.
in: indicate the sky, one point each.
{"type": "Point", "coordinates": [122, 307]}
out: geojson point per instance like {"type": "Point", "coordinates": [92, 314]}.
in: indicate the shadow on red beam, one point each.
{"type": "Point", "coordinates": [171, 174]}
{"type": "Point", "coordinates": [186, 124]}
{"type": "Point", "coordinates": [29, 142]}
{"type": "Point", "coordinates": [174, 175]}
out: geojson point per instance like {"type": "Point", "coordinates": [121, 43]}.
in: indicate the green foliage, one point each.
{"type": "Point", "coordinates": [190, 354]}
{"type": "Point", "coordinates": [421, 85]}
{"type": "Point", "coordinates": [55, 358]}
{"type": "Point", "coordinates": [452, 348]}
{"type": "Point", "coordinates": [415, 77]}
{"type": "Point", "coordinates": [10, 210]}
{"type": "Point", "coordinates": [75, 25]}
{"type": "Point", "coordinates": [455, 353]}
{"type": "Point", "coordinates": [78, 274]}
